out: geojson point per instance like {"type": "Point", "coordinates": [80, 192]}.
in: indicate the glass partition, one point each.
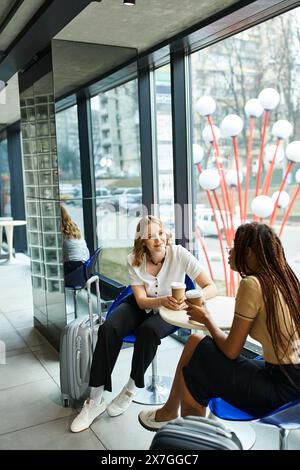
{"type": "Point", "coordinates": [164, 146]}
{"type": "Point", "coordinates": [68, 154]}
{"type": "Point", "coordinates": [116, 149]}
{"type": "Point", "coordinates": [232, 72]}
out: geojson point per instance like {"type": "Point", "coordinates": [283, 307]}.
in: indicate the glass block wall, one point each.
{"type": "Point", "coordinates": [43, 206]}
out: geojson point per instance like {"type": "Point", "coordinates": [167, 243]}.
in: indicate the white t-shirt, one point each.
{"type": "Point", "coordinates": [178, 262]}
{"type": "Point", "coordinates": [75, 250]}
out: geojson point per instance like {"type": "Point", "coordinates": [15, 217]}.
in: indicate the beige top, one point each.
{"type": "Point", "coordinates": [250, 306]}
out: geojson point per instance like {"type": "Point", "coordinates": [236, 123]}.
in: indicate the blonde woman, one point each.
{"type": "Point", "coordinates": [153, 265]}
{"type": "Point", "coordinates": [75, 250]}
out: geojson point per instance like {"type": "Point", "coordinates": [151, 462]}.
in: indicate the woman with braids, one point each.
{"type": "Point", "coordinates": [152, 266]}
{"type": "Point", "coordinates": [268, 309]}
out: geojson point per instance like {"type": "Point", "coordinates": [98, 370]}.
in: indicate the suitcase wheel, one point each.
{"type": "Point", "coordinates": [66, 402]}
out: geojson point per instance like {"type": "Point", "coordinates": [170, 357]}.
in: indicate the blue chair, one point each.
{"type": "Point", "coordinates": [157, 388]}
{"type": "Point", "coordinates": [76, 280]}
{"type": "Point", "coordinates": [286, 418]}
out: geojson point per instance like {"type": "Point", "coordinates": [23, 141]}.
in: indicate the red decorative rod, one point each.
{"type": "Point", "coordinates": [198, 233]}
{"type": "Point", "coordinates": [220, 239]}
{"type": "Point", "coordinates": [273, 215]}
{"type": "Point", "coordinates": [248, 166]}
{"type": "Point", "coordinates": [262, 144]}
{"type": "Point", "coordinates": [268, 178]}
{"type": "Point", "coordinates": [286, 215]}
{"type": "Point", "coordinates": [223, 185]}
{"type": "Point", "coordinates": [236, 159]}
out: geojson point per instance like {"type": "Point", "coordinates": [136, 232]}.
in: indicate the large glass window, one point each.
{"type": "Point", "coordinates": [232, 72]}
{"type": "Point", "coordinates": [116, 149]}
{"type": "Point", "coordinates": [68, 154]}
{"type": "Point", "coordinates": [164, 149]}
{"type": "Point", "coordinates": [5, 204]}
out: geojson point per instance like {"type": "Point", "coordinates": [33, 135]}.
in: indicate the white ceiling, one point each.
{"type": "Point", "coordinates": [9, 102]}
{"type": "Point", "coordinates": [110, 23]}
{"type": "Point", "coordinates": [19, 20]}
{"type": "Point", "coordinates": [146, 24]}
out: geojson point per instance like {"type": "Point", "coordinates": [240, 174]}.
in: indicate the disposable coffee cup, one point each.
{"type": "Point", "coordinates": [178, 290]}
{"type": "Point", "coordinates": [195, 296]}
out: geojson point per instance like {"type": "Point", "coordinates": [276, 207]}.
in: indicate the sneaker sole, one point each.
{"type": "Point", "coordinates": [147, 427]}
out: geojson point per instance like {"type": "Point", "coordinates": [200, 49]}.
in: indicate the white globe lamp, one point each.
{"type": "Point", "coordinates": [253, 108]}
{"type": "Point", "coordinates": [293, 151]}
{"type": "Point", "coordinates": [270, 152]}
{"type": "Point", "coordinates": [232, 177]}
{"type": "Point", "coordinates": [282, 129]}
{"type": "Point", "coordinates": [232, 125]}
{"type": "Point", "coordinates": [269, 98]}
{"type": "Point", "coordinates": [209, 180]}
{"type": "Point", "coordinates": [205, 105]}
{"type": "Point", "coordinates": [208, 135]}
{"type": "Point", "coordinates": [262, 206]}
{"type": "Point", "coordinates": [198, 154]}
{"type": "Point", "coordinates": [283, 200]}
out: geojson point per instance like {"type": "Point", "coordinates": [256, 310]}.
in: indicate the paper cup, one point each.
{"type": "Point", "coordinates": [178, 290]}
{"type": "Point", "coordinates": [195, 296]}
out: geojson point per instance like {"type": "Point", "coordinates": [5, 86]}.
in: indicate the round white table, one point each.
{"type": "Point", "coordinates": [4, 219]}
{"type": "Point", "coordinates": [222, 311]}
{"type": "Point", "coordinates": [221, 308]}
{"type": "Point", "coordinates": [9, 229]}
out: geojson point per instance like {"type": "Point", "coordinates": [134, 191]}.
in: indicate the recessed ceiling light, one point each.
{"type": "Point", "coordinates": [129, 3]}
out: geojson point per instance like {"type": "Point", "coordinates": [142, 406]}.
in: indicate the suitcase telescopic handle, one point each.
{"type": "Point", "coordinates": [89, 282]}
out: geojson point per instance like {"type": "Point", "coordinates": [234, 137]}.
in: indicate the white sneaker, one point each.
{"type": "Point", "coordinates": [120, 403]}
{"type": "Point", "coordinates": [89, 412]}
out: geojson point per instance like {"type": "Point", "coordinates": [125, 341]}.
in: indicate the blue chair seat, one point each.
{"type": "Point", "coordinates": [286, 418]}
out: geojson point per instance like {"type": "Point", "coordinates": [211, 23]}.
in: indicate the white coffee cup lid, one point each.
{"type": "Point", "coordinates": [178, 285]}
{"type": "Point", "coordinates": [194, 294]}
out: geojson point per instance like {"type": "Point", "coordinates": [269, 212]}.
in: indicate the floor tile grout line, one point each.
{"type": "Point", "coordinates": [26, 383]}
{"type": "Point", "coordinates": [102, 443]}
{"type": "Point", "coordinates": [34, 425]}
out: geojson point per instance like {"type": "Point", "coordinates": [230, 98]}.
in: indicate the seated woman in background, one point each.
{"type": "Point", "coordinates": [75, 250]}
{"type": "Point", "coordinates": [268, 309]}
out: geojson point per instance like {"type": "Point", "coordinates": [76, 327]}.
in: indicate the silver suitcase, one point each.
{"type": "Point", "coordinates": [77, 343]}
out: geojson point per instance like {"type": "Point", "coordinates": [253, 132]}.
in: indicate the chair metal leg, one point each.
{"type": "Point", "coordinates": [156, 390]}
{"type": "Point", "coordinates": [283, 438]}
{"type": "Point", "coordinates": [75, 302]}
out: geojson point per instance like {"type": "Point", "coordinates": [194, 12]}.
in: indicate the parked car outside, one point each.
{"type": "Point", "coordinates": [126, 199]}
{"type": "Point", "coordinates": [131, 205]}
{"type": "Point", "coordinates": [206, 222]}
{"type": "Point", "coordinates": [66, 192]}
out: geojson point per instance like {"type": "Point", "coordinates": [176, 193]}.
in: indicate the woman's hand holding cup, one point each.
{"type": "Point", "coordinates": [173, 304]}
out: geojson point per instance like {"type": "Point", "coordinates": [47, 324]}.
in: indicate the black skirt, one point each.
{"type": "Point", "coordinates": [254, 386]}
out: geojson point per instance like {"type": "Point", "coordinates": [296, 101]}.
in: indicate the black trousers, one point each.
{"type": "Point", "coordinates": [70, 266]}
{"type": "Point", "coordinates": [128, 318]}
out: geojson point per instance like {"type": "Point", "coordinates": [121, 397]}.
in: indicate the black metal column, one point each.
{"type": "Point", "coordinates": [16, 185]}
{"type": "Point", "coordinates": [182, 180]}
{"type": "Point", "coordinates": [87, 171]}
{"type": "Point", "coordinates": [146, 139]}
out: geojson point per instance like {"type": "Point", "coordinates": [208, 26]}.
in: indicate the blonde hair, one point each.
{"type": "Point", "coordinates": [68, 228]}
{"type": "Point", "coordinates": [139, 248]}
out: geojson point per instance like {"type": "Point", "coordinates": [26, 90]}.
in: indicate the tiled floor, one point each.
{"type": "Point", "coordinates": [30, 406]}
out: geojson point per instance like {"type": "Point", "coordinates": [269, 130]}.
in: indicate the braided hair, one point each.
{"type": "Point", "coordinates": [274, 275]}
